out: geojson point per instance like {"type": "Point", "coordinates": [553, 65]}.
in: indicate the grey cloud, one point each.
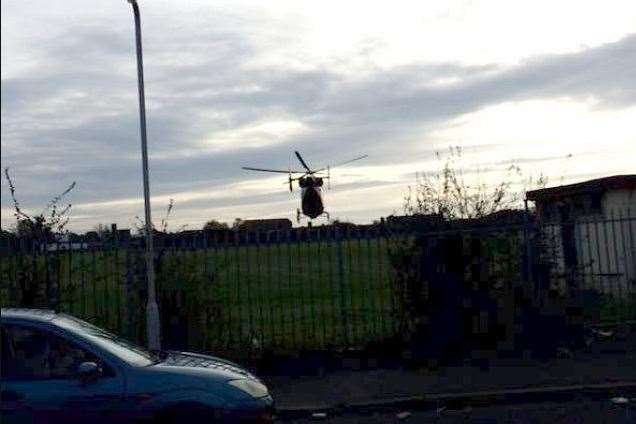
{"type": "Point", "coordinates": [197, 88]}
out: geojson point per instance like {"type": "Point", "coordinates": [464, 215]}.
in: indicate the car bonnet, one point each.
{"type": "Point", "coordinates": [194, 361]}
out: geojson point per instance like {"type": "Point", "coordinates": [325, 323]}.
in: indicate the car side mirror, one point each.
{"type": "Point", "coordinates": [88, 372]}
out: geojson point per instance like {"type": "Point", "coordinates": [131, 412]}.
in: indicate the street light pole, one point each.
{"type": "Point", "coordinates": [152, 310]}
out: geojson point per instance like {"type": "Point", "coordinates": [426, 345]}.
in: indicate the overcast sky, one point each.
{"type": "Point", "coordinates": [233, 83]}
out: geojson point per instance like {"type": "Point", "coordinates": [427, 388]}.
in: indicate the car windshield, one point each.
{"type": "Point", "coordinates": [121, 348]}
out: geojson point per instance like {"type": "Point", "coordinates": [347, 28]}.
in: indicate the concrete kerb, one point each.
{"type": "Point", "coordinates": [433, 401]}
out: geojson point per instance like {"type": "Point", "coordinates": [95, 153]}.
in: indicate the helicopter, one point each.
{"type": "Point", "coordinates": [310, 182]}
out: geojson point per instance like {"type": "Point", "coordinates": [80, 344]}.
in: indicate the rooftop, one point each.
{"type": "Point", "coordinates": [266, 220]}
{"type": "Point", "coordinates": [599, 185]}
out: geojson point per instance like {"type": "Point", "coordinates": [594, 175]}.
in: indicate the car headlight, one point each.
{"type": "Point", "coordinates": [251, 387]}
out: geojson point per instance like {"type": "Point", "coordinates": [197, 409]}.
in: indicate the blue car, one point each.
{"type": "Point", "coordinates": [56, 368]}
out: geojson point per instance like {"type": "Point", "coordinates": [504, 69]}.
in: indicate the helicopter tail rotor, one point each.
{"type": "Point", "coordinates": [291, 187]}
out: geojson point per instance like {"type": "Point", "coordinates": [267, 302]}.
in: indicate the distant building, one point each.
{"type": "Point", "coordinates": [413, 222]}
{"type": "Point", "coordinates": [123, 235]}
{"type": "Point", "coordinates": [263, 225]}
{"type": "Point", "coordinates": [95, 240]}
{"type": "Point", "coordinates": [65, 242]}
{"type": "Point", "coordinates": [588, 227]}
{"type": "Point", "coordinates": [602, 197]}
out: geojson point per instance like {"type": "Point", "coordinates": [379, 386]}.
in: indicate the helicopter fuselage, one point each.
{"type": "Point", "coordinates": [311, 196]}
{"type": "Point", "coordinates": [310, 184]}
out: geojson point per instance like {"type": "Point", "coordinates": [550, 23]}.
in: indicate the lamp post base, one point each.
{"type": "Point", "coordinates": [153, 335]}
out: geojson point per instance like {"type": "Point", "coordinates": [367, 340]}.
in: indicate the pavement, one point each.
{"type": "Point", "coordinates": [527, 379]}
{"type": "Point", "coordinates": [580, 411]}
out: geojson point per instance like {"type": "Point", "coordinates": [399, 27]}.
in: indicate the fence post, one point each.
{"type": "Point", "coordinates": [341, 282]}
{"type": "Point", "coordinates": [528, 271]}
{"type": "Point", "coordinates": [632, 248]}
{"type": "Point", "coordinates": [52, 290]}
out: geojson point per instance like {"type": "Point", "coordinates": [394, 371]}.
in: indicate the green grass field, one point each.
{"type": "Point", "coordinates": [287, 296]}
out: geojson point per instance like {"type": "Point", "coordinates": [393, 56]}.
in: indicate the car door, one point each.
{"type": "Point", "coordinates": [12, 407]}
{"type": "Point", "coordinates": [40, 382]}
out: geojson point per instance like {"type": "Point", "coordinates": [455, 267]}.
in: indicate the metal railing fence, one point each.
{"type": "Point", "coordinates": [321, 288]}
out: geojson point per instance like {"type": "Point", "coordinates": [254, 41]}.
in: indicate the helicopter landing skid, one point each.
{"type": "Point", "coordinates": [299, 216]}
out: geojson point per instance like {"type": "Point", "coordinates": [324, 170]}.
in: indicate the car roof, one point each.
{"type": "Point", "coordinates": [44, 315]}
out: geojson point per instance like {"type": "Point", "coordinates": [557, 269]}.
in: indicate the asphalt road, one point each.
{"type": "Point", "coordinates": [585, 411]}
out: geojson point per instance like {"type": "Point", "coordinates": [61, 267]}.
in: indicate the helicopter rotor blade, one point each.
{"type": "Point", "coordinates": [279, 171]}
{"type": "Point", "coordinates": [302, 161]}
{"type": "Point", "coordinates": [343, 163]}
